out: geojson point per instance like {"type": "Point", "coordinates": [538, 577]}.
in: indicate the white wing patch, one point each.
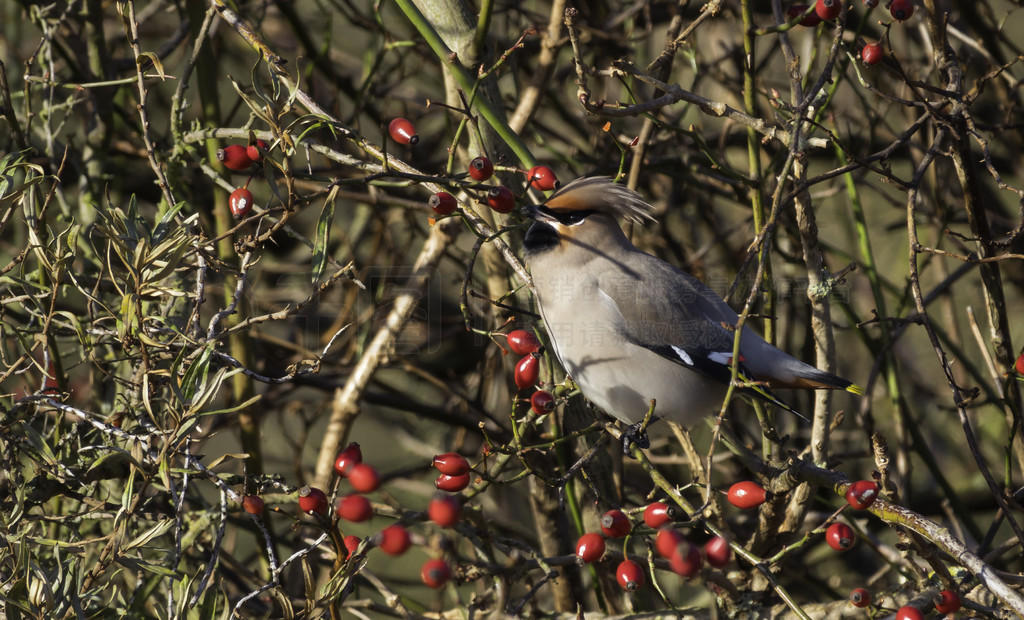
{"type": "Point", "coordinates": [683, 355]}
{"type": "Point", "coordinates": [720, 357]}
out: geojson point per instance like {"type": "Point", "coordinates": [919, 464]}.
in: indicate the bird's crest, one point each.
{"type": "Point", "coordinates": [601, 194]}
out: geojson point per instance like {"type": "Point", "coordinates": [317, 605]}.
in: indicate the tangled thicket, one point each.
{"type": "Point", "coordinates": [159, 359]}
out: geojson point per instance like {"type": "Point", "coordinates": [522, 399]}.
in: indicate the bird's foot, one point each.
{"type": "Point", "coordinates": [635, 434]}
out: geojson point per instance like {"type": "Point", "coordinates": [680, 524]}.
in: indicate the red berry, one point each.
{"type": "Point", "coordinates": [435, 573]}
{"type": "Point", "coordinates": [630, 575]}
{"type": "Point", "coordinates": [402, 131]}
{"type": "Point", "coordinates": [1019, 366]}
{"type": "Point", "coordinates": [840, 536]}
{"type": "Point", "coordinates": [909, 613]}
{"type": "Point", "coordinates": [527, 372]}
{"type": "Point", "coordinates": [352, 543]}
{"type": "Point", "coordinates": [686, 561]}
{"type": "Point", "coordinates": [542, 178]}
{"type": "Point", "coordinates": [253, 504]}
{"type": "Point", "coordinates": [348, 457]}
{"type": "Point", "coordinates": [542, 402]}
{"type": "Point", "coordinates": [901, 9]}
{"type": "Point", "coordinates": [862, 494]}
{"type": "Point", "coordinates": [256, 151]}
{"type": "Point", "coordinates": [810, 20]}
{"type": "Point", "coordinates": [500, 199]}
{"type": "Point", "coordinates": [615, 524]}
{"type": "Point", "coordinates": [589, 548]}
{"type": "Point", "coordinates": [443, 203]}
{"type": "Point", "coordinates": [451, 463]}
{"type": "Point", "coordinates": [394, 540]}
{"type": "Point", "coordinates": [860, 597]}
{"type": "Point", "coordinates": [523, 342]}
{"type": "Point", "coordinates": [871, 54]}
{"type": "Point", "coordinates": [354, 508]}
{"type": "Point", "coordinates": [452, 484]}
{"type": "Point", "coordinates": [444, 510]}
{"type": "Point", "coordinates": [828, 9]}
{"type": "Point", "coordinates": [947, 602]}
{"type": "Point", "coordinates": [667, 542]}
{"type": "Point", "coordinates": [240, 202]}
{"type": "Point", "coordinates": [717, 551]}
{"type": "Point", "coordinates": [658, 514]}
{"type": "Point", "coordinates": [312, 500]}
{"type": "Point", "coordinates": [747, 494]}
{"type": "Point", "coordinates": [234, 157]}
{"type": "Point", "coordinates": [364, 478]}
{"type": "Point", "coordinates": [481, 168]}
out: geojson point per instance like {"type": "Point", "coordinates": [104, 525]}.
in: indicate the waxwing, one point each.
{"type": "Point", "coordinates": [629, 327]}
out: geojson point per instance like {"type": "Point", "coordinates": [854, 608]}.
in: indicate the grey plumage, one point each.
{"type": "Point", "coordinates": [629, 327]}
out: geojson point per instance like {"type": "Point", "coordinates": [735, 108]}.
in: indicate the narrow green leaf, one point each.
{"type": "Point", "coordinates": [83, 336]}
{"type": "Point", "coordinates": [138, 564]}
{"type": "Point", "coordinates": [144, 538]}
{"type": "Point", "coordinates": [167, 222]}
{"type": "Point", "coordinates": [199, 367]}
{"type": "Point", "coordinates": [323, 236]}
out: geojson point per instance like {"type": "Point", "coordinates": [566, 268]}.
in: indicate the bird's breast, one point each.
{"type": "Point", "coordinates": [620, 377]}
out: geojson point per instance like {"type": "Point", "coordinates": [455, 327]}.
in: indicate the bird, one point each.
{"type": "Point", "coordinates": [629, 327]}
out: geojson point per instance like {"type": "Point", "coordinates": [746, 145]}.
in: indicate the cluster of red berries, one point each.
{"type": "Point", "coordinates": [454, 470]}
{"type": "Point", "coordinates": [445, 510]}
{"type": "Point", "coordinates": [825, 10]}
{"type": "Point", "coordinates": [860, 495]}
{"type": "Point", "coordinates": [395, 539]}
{"type": "Point", "coordinates": [527, 372]}
{"type": "Point", "coordinates": [499, 198]}
{"type": "Point", "coordinates": [363, 478]}
{"type": "Point", "coordinates": [240, 159]}
{"type": "Point", "coordinates": [685, 558]}
{"type": "Point", "coordinates": [946, 602]}
{"type": "Point", "coordinates": [840, 536]}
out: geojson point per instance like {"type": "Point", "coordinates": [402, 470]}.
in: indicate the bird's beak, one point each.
{"type": "Point", "coordinates": [533, 212]}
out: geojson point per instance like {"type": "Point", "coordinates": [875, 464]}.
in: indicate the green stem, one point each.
{"type": "Point", "coordinates": [755, 175]}
{"type": "Point", "coordinates": [483, 26]}
{"type": "Point", "coordinates": [466, 82]}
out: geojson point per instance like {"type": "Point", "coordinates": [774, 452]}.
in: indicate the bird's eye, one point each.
{"type": "Point", "coordinates": [574, 218]}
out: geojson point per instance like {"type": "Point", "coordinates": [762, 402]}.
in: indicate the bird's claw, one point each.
{"type": "Point", "coordinates": [635, 434]}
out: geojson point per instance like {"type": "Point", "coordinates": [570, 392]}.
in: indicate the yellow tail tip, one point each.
{"type": "Point", "coordinates": [856, 389]}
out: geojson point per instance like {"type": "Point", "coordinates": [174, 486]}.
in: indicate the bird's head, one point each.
{"type": "Point", "coordinates": [583, 213]}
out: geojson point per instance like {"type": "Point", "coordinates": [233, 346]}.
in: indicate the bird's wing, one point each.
{"type": "Point", "coordinates": [660, 304]}
{"type": "Point", "coordinates": [671, 313]}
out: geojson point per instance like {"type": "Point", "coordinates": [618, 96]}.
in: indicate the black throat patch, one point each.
{"type": "Point", "coordinates": [541, 237]}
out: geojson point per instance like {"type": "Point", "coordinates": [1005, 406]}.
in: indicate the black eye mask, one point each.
{"type": "Point", "coordinates": [567, 218]}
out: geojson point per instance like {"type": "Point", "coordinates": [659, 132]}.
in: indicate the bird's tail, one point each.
{"type": "Point", "coordinates": [814, 379]}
